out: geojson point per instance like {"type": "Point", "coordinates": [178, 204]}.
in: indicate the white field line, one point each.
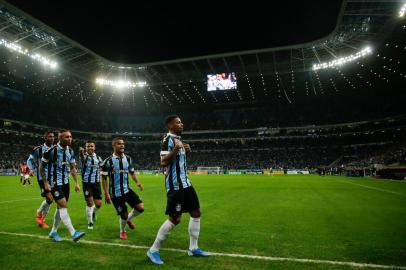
{"type": "Point", "coordinates": [29, 199]}
{"type": "Point", "coordinates": [233, 255]}
{"type": "Point", "coordinates": [374, 188]}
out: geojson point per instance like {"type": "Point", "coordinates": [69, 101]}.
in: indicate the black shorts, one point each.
{"type": "Point", "coordinates": [181, 201]}
{"type": "Point", "coordinates": [130, 197]}
{"type": "Point", "coordinates": [42, 188]}
{"type": "Point", "coordinates": [92, 190]}
{"type": "Point", "coordinates": [60, 192]}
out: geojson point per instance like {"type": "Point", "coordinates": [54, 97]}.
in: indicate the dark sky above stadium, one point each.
{"type": "Point", "coordinates": [146, 31]}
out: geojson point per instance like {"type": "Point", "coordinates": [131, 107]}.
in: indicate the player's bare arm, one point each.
{"type": "Point", "coordinates": [74, 174]}
{"type": "Point", "coordinates": [137, 181]}
{"type": "Point", "coordinates": [42, 172]}
{"type": "Point", "coordinates": [105, 189]}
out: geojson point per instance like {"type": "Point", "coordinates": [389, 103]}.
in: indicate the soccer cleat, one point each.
{"type": "Point", "coordinates": [55, 236]}
{"type": "Point", "coordinates": [123, 235]}
{"type": "Point", "coordinates": [154, 257]}
{"type": "Point", "coordinates": [198, 253]}
{"type": "Point", "coordinates": [90, 226]}
{"type": "Point", "coordinates": [39, 219]}
{"type": "Point", "coordinates": [77, 235]}
{"type": "Point", "coordinates": [131, 224]}
{"type": "Point", "coordinates": [44, 225]}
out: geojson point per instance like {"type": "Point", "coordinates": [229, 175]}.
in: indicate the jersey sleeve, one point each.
{"type": "Point", "coordinates": [30, 160]}
{"type": "Point", "coordinates": [46, 157]}
{"type": "Point", "coordinates": [104, 167]}
{"type": "Point", "coordinates": [165, 146]}
{"type": "Point", "coordinates": [130, 164]}
{"type": "Point", "coordinates": [72, 159]}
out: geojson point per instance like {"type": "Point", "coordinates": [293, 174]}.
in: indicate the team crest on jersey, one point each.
{"type": "Point", "coordinates": [119, 209]}
{"type": "Point", "coordinates": [86, 192]}
{"type": "Point", "coordinates": [56, 193]}
{"type": "Point", "coordinates": [178, 207]}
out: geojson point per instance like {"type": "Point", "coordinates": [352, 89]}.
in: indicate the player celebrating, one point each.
{"type": "Point", "coordinates": [33, 163]}
{"type": "Point", "coordinates": [61, 161]}
{"type": "Point", "coordinates": [181, 196]}
{"type": "Point", "coordinates": [91, 181]}
{"type": "Point", "coordinates": [24, 173]}
{"type": "Point", "coordinates": [117, 167]}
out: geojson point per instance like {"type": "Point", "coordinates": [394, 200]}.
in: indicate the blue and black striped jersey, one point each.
{"type": "Point", "coordinates": [91, 168]}
{"type": "Point", "coordinates": [175, 172]}
{"type": "Point", "coordinates": [117, 169]}
{"type": "Point", "coordinates": [34, 160]}
{"type": "Point", "coordinates": [59, 160]}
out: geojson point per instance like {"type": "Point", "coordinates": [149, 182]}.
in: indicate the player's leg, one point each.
{"type": "Point", "coordinates": [174, 211]}
{"type": "Point", "coordinates": [61, 195]}
{"type": "Point", "coordinates": [87, 191]}
{"type": "Point", "coordinates": [121, 208]}
{"type": "Point", "coordinates": [43, 209]}
{"type": "Point", "coordinates": [191, 202]}
{"type": "Point", "coordinates": [138, 207]}
{"type": "Point", "coordinates": [97, 199]}
{"type": "Point", "coordinates": [89, 212]}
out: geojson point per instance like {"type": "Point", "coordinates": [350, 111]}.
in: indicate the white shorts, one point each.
{"type": "Point", "coordinates": [26, 176]}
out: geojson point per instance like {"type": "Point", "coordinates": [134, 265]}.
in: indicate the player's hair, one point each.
{"type": "Point", "coordinates": [48, 132]}
{"type": "Point", "coordinates": [170, 118]}
{"type": "Point", "coordinates": [116, 139]}
{"type": "Point", "coordinates": [90, 141]}
{"type": "Point", "coordinates": [63, 130]}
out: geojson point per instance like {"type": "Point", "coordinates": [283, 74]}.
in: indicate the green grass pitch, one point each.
{"type": "Point", "coordinates": [288, 216]}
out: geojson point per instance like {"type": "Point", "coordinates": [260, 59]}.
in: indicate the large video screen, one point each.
{"type": "Point", "coordinates": [221, 81]}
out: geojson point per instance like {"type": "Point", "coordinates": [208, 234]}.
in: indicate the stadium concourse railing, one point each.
{"type": "Point", "coordinates": [398, 122]}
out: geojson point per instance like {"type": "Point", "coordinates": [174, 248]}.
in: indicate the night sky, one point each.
{"type": "Point", "coordinates": [141, 31]}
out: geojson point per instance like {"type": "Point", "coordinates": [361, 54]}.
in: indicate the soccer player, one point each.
{"type": "Point", "coordinates": [91, 181]}
{"type": "Point", "coordinates": [181, 196]}
{"type": "Point", "coordinates": [117, 167]}
{"type": "Point", "coordinates": [24, 173]}
{"type": "Point", "coordinates": [61, 161]}
{"type": "Point", "coordinates": [33, 163]}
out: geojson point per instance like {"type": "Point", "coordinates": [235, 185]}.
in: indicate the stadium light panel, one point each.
{"type": "Point", "coordinates": [342, 60]}
{"type": "Point", "coordinates": [120, 84]}
{"type": "Point", "coordinates": [402, 10]}
{"type": "Point", "coordinates": [35, 56]}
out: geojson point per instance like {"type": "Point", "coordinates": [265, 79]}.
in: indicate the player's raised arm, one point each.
{"type": "Point", "coordinates": [30, 163]}
{"type": "Point", "coordinates": [44, 162]}
{"type": "Point", "coordinates": [166, 157]}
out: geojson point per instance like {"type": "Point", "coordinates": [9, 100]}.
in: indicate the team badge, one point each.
{"type": "Point", "coordinates": [56, 193]}
{"type": "Point", "coordinates": [86, 192]}
{"type": "Point", "coordinates": [178, 207]}
{"type": "Point", "coordinates": [119, 209]}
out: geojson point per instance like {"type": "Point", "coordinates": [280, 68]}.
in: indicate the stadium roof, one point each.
{"type": "Point", "coordinates": [262, 73]}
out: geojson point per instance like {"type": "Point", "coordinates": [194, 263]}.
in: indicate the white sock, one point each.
{"type": "Point", "coordinates": [89, 214]}
{"type": "Point", "coordinates": [162, 234]}
{"type": "Point", "coordinates": [133, 214]}
{"type": "Point", "coordinates": [41, 207]}
{"type": "Point", "coordinates": [123, 222]}
{"type": "Point", "coordinates": [63, 212]}
{"type": "Point", "coordinates": [57, 221]}
{"type": "Point", "coordinates": [45, 210]}
{"type": "Point", "coordinates": [194, 230]}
